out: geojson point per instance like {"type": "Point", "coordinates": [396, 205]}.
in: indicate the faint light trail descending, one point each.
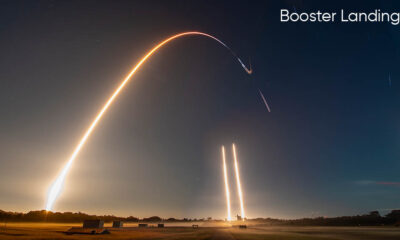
{"type": "Point", "coordinates": [228, 201]}
{"type": "Point", "coordinates": [239, 187]}
{"type": "Point", "coordinates": [265, 101]}
{"type": "Point", "coordinates": [56, 187]}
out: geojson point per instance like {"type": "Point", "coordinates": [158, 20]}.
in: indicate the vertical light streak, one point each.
{"type": "Point", "coordinates": [228, 201]}
{"type": "Point", "coordinates": [239, 187]}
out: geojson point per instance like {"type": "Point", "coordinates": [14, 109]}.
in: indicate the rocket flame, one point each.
{"type": "Point", "coordinates": [56, 187]}
{"type": "Point", "coordinates": [228, 201]}
{"type": "Point", "coordinates": [239, 188]}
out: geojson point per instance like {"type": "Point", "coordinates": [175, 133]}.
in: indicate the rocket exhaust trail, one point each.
{"type": "Point", "coordinates": [228, 201]}
{"type": "Point", "coordinates": [56, 187]}
{"type": "Point", "coordinates": [239, 187]}
{"type": "Point", "coordinates": [265, 101]}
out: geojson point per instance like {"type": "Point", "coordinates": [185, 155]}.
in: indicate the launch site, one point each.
{"type": "Point", "coordinates": [199, 119]}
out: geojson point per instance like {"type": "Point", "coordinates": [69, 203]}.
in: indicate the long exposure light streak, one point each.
{"type": "Point", "coordinates": [56, 187]}
{"type": "Point", "coordinates": [264, 100]}
{"type": "Point", "coordinates": [239, 187]}
{"type": "Point", "coordinates": [228, 201]}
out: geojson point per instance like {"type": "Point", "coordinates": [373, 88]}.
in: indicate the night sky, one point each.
{"type": "Point", "coordinates": [329, 147]}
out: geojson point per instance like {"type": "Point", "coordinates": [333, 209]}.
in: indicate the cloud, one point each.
{"type": "Point", "coordinates": [389, 183]}
{"type": "Point", "coordinates": [364, 182]}
{"type": "Point", "coordinates": [370, 182]}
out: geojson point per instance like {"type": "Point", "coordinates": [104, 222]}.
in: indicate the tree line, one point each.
{"type": "Point", "coordinates": [371, 219]}
{"type": "Point", "coordinates": [48, 216]}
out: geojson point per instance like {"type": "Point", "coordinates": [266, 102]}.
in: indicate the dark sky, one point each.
{"type": "Point", "coordinates": [329, 147]}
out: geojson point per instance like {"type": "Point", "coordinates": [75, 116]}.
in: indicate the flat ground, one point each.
{"type": "Point", "coordinates": [55, 231]}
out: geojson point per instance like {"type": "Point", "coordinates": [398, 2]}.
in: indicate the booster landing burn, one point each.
{"type": "Point", "coordinates": [228, 201]}
{"type": "Point", "coordinates": [239, 187]}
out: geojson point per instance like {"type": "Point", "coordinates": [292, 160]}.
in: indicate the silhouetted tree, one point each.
{"type": "Point", "coordinates": [374, 214]}
{"type": "Point", "coordinates": [152, 219]}
{"type": "Point", "coordinates": [394, 216]}
{"type": "Point", "coordinates": [132, 219]}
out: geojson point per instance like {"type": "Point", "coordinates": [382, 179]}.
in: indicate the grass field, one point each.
{"type": "Point", "coordinates": [55, 231]}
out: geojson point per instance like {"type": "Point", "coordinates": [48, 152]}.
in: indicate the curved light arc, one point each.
{"type": "Point", "coordinates": [56, 187]}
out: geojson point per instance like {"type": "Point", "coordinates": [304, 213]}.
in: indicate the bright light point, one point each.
{"type": "Point", "coordinates": [56, 187]}
{"type": "Point", "coordinates": [239, 188]}
{"type": "Point", "coordinates": [228, 202]}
